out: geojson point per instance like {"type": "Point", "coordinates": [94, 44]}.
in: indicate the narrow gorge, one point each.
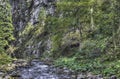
{"type": "Point", "coordinates": [59, 39]}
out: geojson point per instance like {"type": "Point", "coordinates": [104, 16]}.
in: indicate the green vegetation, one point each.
{"type": "Point", "coordinates": [83, 35]}
{"type": "Point", "coordinates": [97, 23]}
{"type": "Point", "coordinates": [6, 32]}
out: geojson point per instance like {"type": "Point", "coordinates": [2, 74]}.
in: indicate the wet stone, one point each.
{"type": "Point", "coordinates": [81, 76]}
{"type": "Point", "coordinates": [1, 74]}
{"type": "Point", "coordinates": [113, 77]}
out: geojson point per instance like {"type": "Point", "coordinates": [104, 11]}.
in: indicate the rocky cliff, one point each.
{"type": "Point", "coordinates": [28, 26]}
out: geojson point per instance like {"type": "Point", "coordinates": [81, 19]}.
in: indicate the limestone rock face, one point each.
{"type": "Point", "coordinates": [28, 11]}
{"type": "Point", "coordinates": [25, 11]}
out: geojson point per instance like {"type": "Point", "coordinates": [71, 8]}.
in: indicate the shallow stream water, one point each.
{"type": "Point", "coordinates": [39, 70]}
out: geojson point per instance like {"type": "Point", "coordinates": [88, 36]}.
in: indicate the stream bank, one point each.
{"type": "Point", "coordinates": [36, 69]}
